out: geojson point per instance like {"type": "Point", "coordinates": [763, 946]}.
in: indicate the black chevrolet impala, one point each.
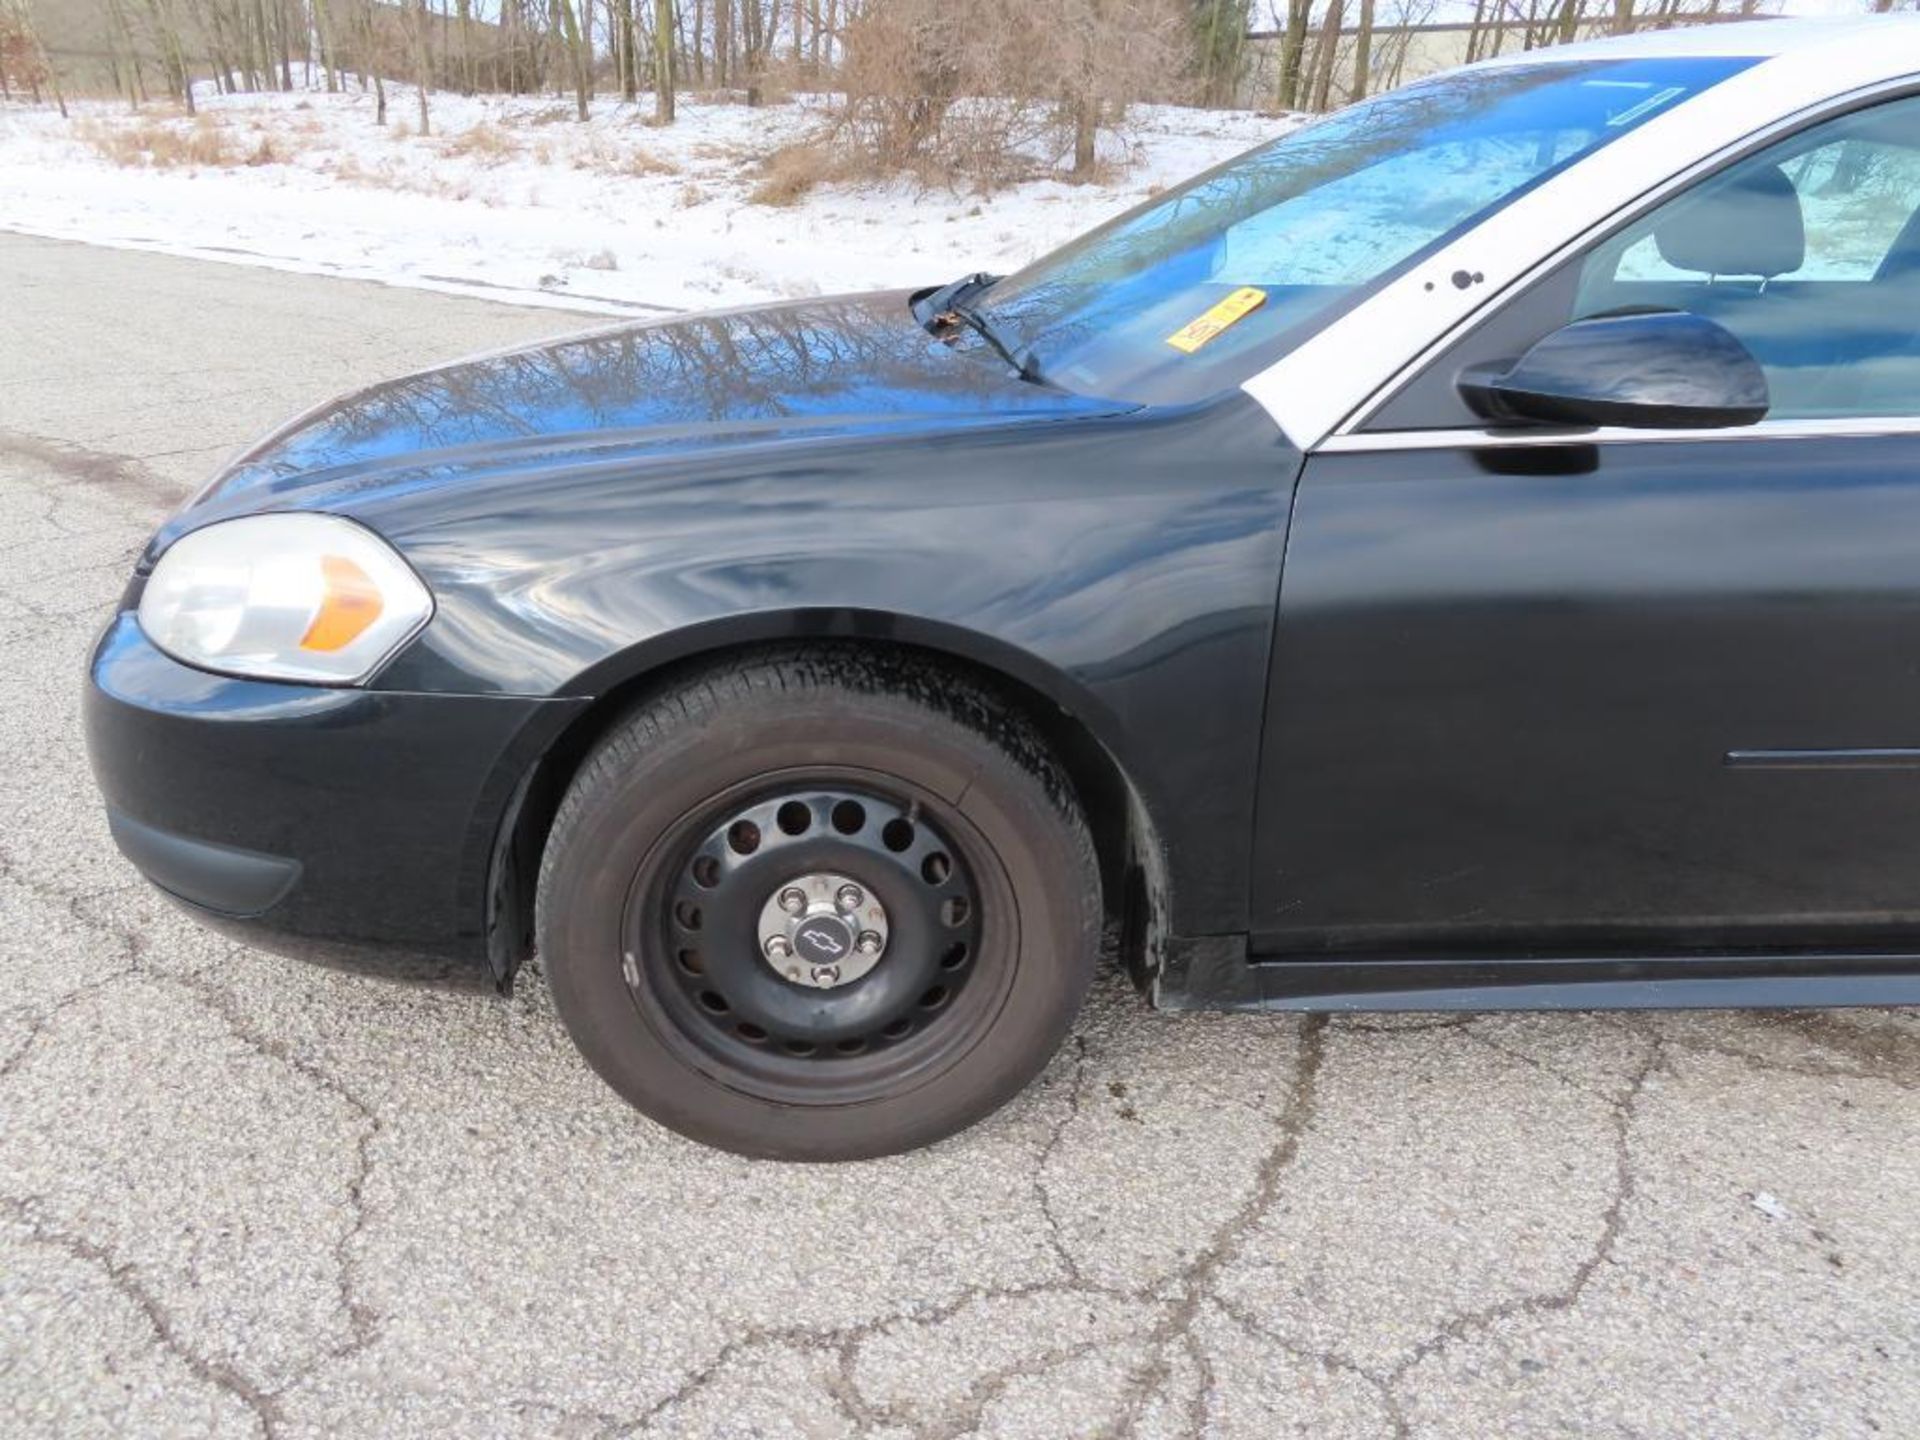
{"type": "Point", "coordinates": [1464, 553]}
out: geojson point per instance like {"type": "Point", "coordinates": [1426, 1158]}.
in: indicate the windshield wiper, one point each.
{"type": "Point", "coordinates": [947, 307]}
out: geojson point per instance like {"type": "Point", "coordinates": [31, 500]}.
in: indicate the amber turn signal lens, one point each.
{"type": "Point", "coordinates": [349, 603]}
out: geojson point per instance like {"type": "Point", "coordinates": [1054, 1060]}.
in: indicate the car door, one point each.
{"type": "Point", "coordinates": [1622, 691]}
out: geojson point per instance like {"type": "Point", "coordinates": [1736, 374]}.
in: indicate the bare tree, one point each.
{"type": "Point", "coordinates": [663, 61]}
{"type": "Point", "coordinates": [620, 42]}
{"type": "Point", "coordinates": [1363, 52]}
{"type": "Point", "coordinates": [1323, 54]}
{"type": "Point", "coordinates": [1219, 38]}
{"type": "Point", "coordinates": [1030, 82]}
{"type": "Point", "coordinates": [421, 76]}
{"type": "Point", "coordinates": [578, 42]}
{"type": "Point", "coordinates": [124, 55]}
{"type": "Point", "coordinates": [23, 59]}
{"type": "Point", "coordinates": [164, 24]}
{"type": "Point", "coordinates": [756, 32]}
{"type": "Point", "coordinates": [368, 58]}
{"type": "Point", "coordinates": [1293, 44]}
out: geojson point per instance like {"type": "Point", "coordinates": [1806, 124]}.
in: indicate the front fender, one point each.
{"type": "Point", "coordinates": [1125, 567]}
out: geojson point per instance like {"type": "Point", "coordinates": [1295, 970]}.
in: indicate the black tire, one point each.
{"type": "Point", "coordinates": [685, 828]}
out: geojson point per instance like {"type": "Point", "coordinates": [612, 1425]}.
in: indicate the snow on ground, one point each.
{"type": "Point", "coordinates": [512, 193]}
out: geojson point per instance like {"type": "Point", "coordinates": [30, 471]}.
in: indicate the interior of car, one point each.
{"type": "Point", "coordinates": [1811, 256]}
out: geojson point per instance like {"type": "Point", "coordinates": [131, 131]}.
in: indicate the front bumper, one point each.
{"type": "Point", "coordinates": [356, 827]}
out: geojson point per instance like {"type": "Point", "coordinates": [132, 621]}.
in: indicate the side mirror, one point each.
{"type": "Point", "coordinates": [1654, 369]}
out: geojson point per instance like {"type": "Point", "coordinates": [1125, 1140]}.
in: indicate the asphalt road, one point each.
{"type": "Point", "coordinates": [238, 1195]}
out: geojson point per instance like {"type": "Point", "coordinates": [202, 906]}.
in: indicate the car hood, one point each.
{"type": "Point", "coordinates": [830, 368]}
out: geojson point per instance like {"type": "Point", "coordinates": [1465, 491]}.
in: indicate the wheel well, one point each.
{"type": "Point", "coordinates": [1127, 850]}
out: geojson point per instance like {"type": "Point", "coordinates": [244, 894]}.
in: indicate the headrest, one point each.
{"type": "Point", "coordinates": [1749, 225]}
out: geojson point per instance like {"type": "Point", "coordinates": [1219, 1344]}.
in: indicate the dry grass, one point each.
{"type": "Point", "coordinates": [610, 157]}
{"type": "Point", "coordinates": [1106, 170]}
{"type": "Point", "coordinates": [722, 150]}
{"type": "Point", "coordinates": [792, 172]}
{"type": "Point", "coordinates": [485, 142]}
{"type": "Point", "coordinates": [637, 163]}
{"type": "Point", "coordinates": [161, 144]}
{"type": "Point", "coordinates": [387, 175]}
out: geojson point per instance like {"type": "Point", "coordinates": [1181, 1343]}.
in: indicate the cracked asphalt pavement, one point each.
{"type": "Point", "coordinates": [242, 1196]}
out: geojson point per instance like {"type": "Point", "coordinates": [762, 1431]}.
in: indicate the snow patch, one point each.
{"type": "Point", "coordinates": [511, 197]}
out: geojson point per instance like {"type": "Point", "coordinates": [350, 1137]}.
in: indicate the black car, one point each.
{"type": "Point", "coordinates": [1464, 553]}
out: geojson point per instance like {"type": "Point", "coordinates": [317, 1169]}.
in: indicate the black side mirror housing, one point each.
{"type": "Point", "coordinates": [1651, 369]}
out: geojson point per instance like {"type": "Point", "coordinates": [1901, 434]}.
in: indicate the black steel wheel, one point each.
{"type": "Point", "coordinates": [818, 938]}
{"type": "Point", "coordinates": [805, 906]}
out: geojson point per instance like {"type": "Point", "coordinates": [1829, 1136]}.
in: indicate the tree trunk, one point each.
{"type": "Point", "coordinates": [620, 24]}
{"type": "Point", "coordinates": [1623, 17]}
{"type": "Point", "coordinates": [1293, 46]}
{"type": "Point", "coordinates": [258, 50]}
{"type": "Point", "coordinates": [753, 23]}
{"type": "Point", "coordinates": [173, 60]}
{"type": "Point", "coordinates": [329, 51]}
{"type": "Point", "coordinates": [1323, 58]}
{"type": "Point", "coordinates": [663, 61]}
{"type": "Point", "coordinates": [420, 66]}
{"type": "Point", "coordinates": [371, 58]}
{"type": "Point", "coordinates": [1210, 57]}
{"type": "Point", "coordinates": [636, 35]}
{"type": "Point", "coordinates": [44, 62]}
{"type": "Point", "coordinates": [575, 46]}
{"type": "Point", "coordinates": [464, 13]}
{"type": "Point", "coordinates": [1363, 52]}
{"type": "Point", "coordinates": [1569, 21]}
{"type": "Point", "coordinates": [120, 36]}
{"type": "Point", "coordinates": [1499, 31]}
{"type": "Point", "coordinates": [1086, 130]}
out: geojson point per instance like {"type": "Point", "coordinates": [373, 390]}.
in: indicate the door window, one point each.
{"type": "Point", "coordinates": [1809, 251]}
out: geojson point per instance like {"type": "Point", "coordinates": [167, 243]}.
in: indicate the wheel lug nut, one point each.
{"type": "Point", "coordinates": [793, 900]}
{"type": "Point", "coordinates": [778, 948]}
{"type": "Point", "coordinates": [850, 897]}
{"type": "Point", "coordinates": [868, 943]}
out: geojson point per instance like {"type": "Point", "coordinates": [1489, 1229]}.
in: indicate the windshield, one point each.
{"type": "Point", "coordinates": [1198, 289]}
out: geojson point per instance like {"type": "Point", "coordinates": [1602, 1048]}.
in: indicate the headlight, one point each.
{"type": "Point", "coordinates": [283, 597]}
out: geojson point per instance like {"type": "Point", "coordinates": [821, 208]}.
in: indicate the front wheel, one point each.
{"type": "Point", "coordinates": [819, 906]}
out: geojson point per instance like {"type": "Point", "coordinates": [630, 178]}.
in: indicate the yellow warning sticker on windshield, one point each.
{"type": "Point", "coordinates": [1195, 333]}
